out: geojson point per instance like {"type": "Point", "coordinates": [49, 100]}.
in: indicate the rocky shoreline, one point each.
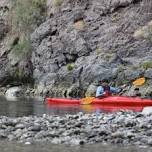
{"type": "Point", "coordinates": [123, 127]}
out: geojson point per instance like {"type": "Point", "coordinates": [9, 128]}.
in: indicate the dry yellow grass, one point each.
{"type": "Point", "coordinates": [57, 3]}
{"type": "Point", "coordinates": [79, 25]}
{"type": "Point", "coordinates": [150, 24]}
{"type": "Point", "coordinates": [138, 34]}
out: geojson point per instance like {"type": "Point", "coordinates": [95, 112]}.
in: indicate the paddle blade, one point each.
{"type": "Point", "coordinates": [87, 100]}
{"type": "Point", "coordinates": [139, 82]}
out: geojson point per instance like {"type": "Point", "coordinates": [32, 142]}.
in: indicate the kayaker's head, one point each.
{"type": "Point", "coordinates": [104, 83]}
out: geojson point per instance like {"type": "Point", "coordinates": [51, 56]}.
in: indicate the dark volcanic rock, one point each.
{"type": "Point", "coordinates": [79, 43]}
{"type": "Point", "coordinates": [88, 44]}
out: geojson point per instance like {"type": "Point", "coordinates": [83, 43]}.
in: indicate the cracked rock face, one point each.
{"type": "Point", "coordinates": [10, 65]}
{"type": "Point", "coordinates": [80, 43]}
{"type": "Point", "coordinates": [4, 8]}
{"type": "Point", "coordinates": [87, 35]}
{"type": "Point", "coordinates": [4, 29]}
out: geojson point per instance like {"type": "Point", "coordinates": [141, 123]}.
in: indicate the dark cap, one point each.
{"type": "Point", "coordinates": [104, 80]}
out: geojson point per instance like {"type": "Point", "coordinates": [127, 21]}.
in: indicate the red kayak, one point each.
{"type": "Point", "coordinates": [108, 101]}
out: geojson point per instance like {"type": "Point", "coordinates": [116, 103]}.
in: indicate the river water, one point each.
{"type": "Point", "coordinates": [30, 106]}
{"type": "Point", "coordinates": [15, 147]}
{"type": "Point", "coordinates": [27, 107]}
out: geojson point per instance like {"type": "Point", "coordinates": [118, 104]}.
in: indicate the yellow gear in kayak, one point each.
{"type": "Point", "coordinates": [139, 82]}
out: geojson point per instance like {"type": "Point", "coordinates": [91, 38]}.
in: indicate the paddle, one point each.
{"type": "Point", "coordinates": [87, 100]}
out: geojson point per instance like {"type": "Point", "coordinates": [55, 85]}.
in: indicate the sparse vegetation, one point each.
{"type": "Point", "coordinates": [144, 32]}
{"type": "Point", "coordinates": [98, 51]}
{"type": "Point", "coordinates": [108, 56]}
{"type": "Point", "coordinates": [121, 68]}
{"type": "Point", "coordinates": [139, 33]}
{"type": "Point", "coordinates": [115, 17]}
{"type": "Point", "coordinates": [70, 67]}
{"type": "Point", "coordinates": [19, 73]}
{"type": "Point", "coordinates": [23, 47]}
{"type": "Point", "coordinates": [146, 65]}
{"type": "Point", "coordinates": [57, 3]}
{"type": "Point", "coordinates": [26, 14]}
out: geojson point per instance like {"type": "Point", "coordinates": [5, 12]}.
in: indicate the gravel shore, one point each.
{"type": "Point", "coordinates": [124, 127]}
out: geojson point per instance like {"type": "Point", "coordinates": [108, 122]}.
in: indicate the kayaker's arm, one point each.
{"type": "Point", "coordinates": [115, 90]}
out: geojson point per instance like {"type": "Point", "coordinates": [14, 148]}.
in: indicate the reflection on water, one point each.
{"type": "Point", "coordinates": [23, 107]}
{"type": "Point", "coordinates": [29, 106]}
{"type": "Point", "coordinates": [10, 147]}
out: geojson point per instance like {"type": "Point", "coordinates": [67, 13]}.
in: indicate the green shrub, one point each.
{"type": "Point", "coordinates": [146, 65]}
{"type": "Point", "coordinates": [121, 68]}
{"type": "Point", "coordinates": [98, 51]}
{"type": "Point", "coordinates": [26, 14]}
{"type": "Point", "coordinates": [107, 56]}
{"type": "Point", "coordinates": [19, 73]}
{"type": "Point", "coordinates": [70, 67]}
{"type": "Point", "coordinates": [115, 17]}
{"type": "Point", "coordinates": [22, 48]}
{"type": "Point", "coordinates": [57, 3]}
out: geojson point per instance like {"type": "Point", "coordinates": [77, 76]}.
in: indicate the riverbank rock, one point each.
{"type": "Point", "coordinates": [119, 128]}
{"type": "Point", "coordinates": [13, 93]}
{"type": "Point", "coordinates": [147, 111]}
{"type": "Point", "coordinates": [91, 91]}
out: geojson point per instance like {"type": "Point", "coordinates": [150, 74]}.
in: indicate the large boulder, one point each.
{"type": "Point", "coordinates": [147, 111]}
{"type": "Point", "coordinates": [91, 91]}
{"type": "Point", "coordinates": [13, 93]}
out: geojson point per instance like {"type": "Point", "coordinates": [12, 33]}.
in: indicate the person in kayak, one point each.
{"type": "Point", "coordinates": [104, 90]}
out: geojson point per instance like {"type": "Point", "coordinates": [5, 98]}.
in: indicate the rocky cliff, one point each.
{"type": "Point", "coordinates": [14, 69]}
{"type": "Point", "coordinates": [81, 42]}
